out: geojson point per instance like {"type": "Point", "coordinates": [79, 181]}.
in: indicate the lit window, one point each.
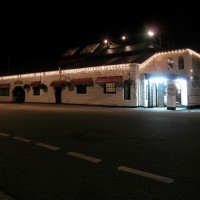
{"type": "Point", "coordinates": [170, 63]}
{"type": "Point", "coordinates": [110, 88]}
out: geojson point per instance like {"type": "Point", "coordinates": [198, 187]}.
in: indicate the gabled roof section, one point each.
{"type": "Point", "coordinates": [169, 52]}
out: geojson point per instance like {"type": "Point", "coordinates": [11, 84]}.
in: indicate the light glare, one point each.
{"type": "Point", "coordinates": [123, 37]}
{"type": "Point", "coordinates": [151, 33]}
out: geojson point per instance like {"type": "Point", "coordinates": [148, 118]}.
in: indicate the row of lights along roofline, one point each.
{"type": "Point", "coordinates": [107, 67]}
{"type": "Point", "coordinates": [191, 52]}
{"type": "Point", "coordinates": [67, 71]}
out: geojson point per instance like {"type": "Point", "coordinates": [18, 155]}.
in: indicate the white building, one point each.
{"type": "Point", "coordinates": [128, 76]}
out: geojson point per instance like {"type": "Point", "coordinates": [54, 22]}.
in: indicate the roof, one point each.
{"type": "Point", "coordinates": [90, 56]}
{"type": "Point", "coordinates": [100, 55]}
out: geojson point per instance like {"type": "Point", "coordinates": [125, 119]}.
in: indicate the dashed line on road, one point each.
{"type": "Point", "coordinates": [22, 139]}
{"type": "Point", "coordinates": [146, 174]}
{"type": "Point", "coordinates": [47, 146]}
{"type": "Point", "coordinates": [4, 134]}
{"type": "Point", "coordinates": [96, 160]}
{"type": "Point", "coordinates": [84, 157]}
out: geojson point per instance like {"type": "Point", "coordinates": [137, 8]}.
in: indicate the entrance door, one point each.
{"type": "Point", "coordinates": [178, 94]}
{"type": "Point", "coordinates": [58, 95]}
{"type": "Point", "coordinates": [161, 91]}
{"type": "Point", "coordinates": [19, 94]}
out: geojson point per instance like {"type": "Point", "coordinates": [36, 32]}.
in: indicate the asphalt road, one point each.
{"type": "Point", "coordinates": [59, 152]}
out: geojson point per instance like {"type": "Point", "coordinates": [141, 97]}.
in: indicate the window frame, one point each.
{"type": "Point", "coordinates": [36, 91]}
{"type": "Point", "coordinates": [181, 63]}
{"type": "Point", "coordinates": [110, 88]}
{"type": "Point", "coordinates": [170, 63]}
{"type": "Point", "coordinates": [81, 89]}
{"type": "Point", "coordinates": [4, 91]}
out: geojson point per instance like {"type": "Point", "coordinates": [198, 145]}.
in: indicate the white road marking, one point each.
{"type": "Point", "coordinates": [146, 174]}
{"type": "Point", "coordinates": [53, 148]}
{"type": "Point", "coordinates": [4, 134]}
{"type": "Point", "coordinates": [84, 157]}
{"type": "Point", "coordinates": [22, 139]}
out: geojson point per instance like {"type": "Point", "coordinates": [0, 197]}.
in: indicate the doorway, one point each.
{"type": "Point", "coordinates": [19, 95]}
{"type": "Point", "coordinates": [178, 93]}
{"type": "Point", "coordinates": [58, 95]}
{"type": "Point", "coordinates": [127, 90]}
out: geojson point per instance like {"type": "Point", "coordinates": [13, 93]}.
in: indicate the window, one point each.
{"type": "Point", "coordinates": [71, 52]}
{"type": "Point", "coordinates": [180, 62]}
{"type": "Point", "coordinates": [127, 90]}
{"type": "Point", "coordinates": [110, 88]}
{"type": "Point", "coordinates": [81, 89]}
{"type": "Point", "coordinates": [4, 91]}
{"type": "Point", "coordinates": [36, 91]}
{"type": "Point", "coordinates": [170, 63]}
{"type": "Point", "coordinates": [90, 48]}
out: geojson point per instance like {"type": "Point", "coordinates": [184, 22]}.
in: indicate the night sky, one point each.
{"type": "Point", "coordinates": [32, 30]}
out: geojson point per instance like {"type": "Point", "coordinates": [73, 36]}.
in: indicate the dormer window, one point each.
{"type": "Point", "coordinates": [180, 62]}
{"type": "Point", "coordinates": [170, 63]}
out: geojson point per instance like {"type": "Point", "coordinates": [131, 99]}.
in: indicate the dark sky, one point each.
{"type": "Point", "coordinates": [41, 29]}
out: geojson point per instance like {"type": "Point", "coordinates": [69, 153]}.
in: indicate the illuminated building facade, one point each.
{"type": "Point", "coordinates": [127, 76]}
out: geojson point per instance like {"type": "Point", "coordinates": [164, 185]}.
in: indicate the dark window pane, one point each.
{"type": "Point", "coordinates": [81, 89]}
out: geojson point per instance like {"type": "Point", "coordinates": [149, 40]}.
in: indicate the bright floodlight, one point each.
{"type": "Point", "coordinates": [123, 37]}
{"type": "Point", "coordinates": [150, 33]}
{"type": "Point", "coordinates": [105, 41]}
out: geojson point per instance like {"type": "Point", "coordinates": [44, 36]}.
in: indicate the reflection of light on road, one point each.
{"type": "Point", "coordinates": [146, 174]}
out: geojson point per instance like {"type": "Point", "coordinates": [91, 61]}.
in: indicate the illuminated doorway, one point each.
{"type": "Point", "coordinates": [157, 87]}
{"type": "Point", "coordinates": [178, 93]}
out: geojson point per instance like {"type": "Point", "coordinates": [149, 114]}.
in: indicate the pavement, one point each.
{"type": "Point", "coordinates": [98, 107]}
{"type": "Point", "coordinates": [4, 196]}
{"type": "Point", "coordinates": [165, 109]}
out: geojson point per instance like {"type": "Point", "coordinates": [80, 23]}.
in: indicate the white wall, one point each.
{"type": "Point", "coordinates": [95, 93]}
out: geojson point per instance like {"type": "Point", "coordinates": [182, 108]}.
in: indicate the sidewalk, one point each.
{"type": "Point", "coordinates": [163, 109]}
